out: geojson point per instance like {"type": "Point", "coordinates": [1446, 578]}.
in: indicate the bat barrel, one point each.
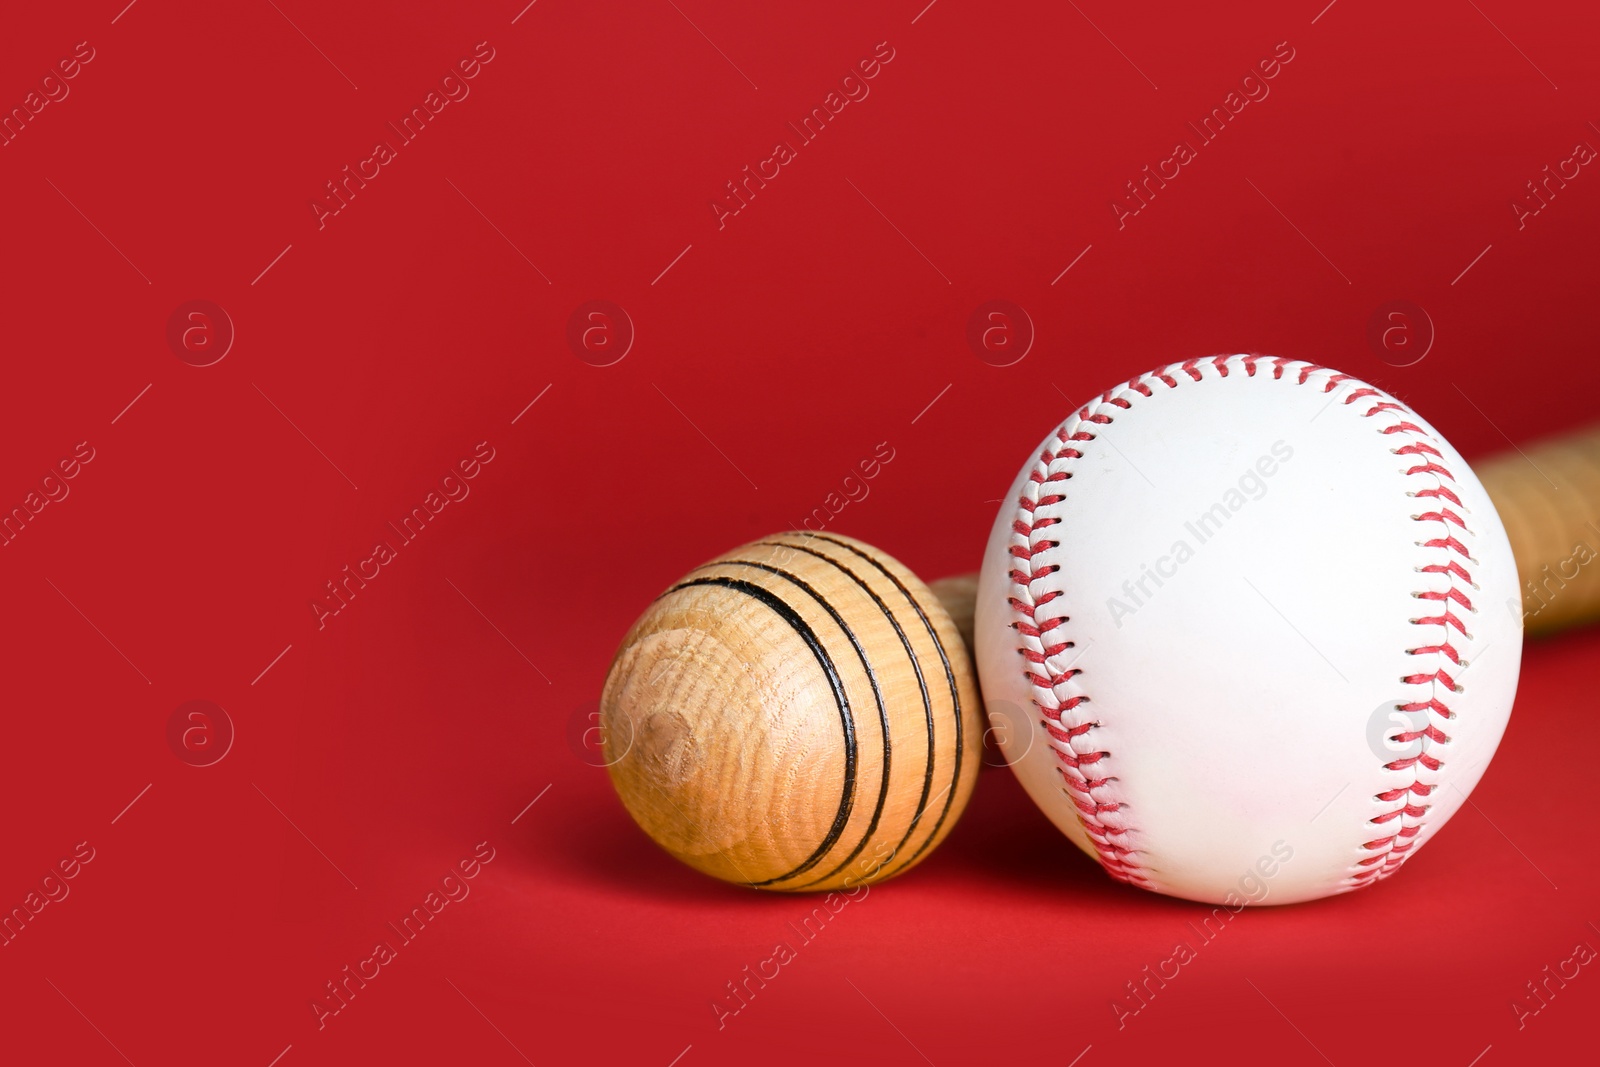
{"type": "Point", "coordinates": [1548, 496]}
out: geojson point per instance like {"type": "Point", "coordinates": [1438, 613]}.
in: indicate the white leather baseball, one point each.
{"type": "Point", "coordinates": [1241, 625]}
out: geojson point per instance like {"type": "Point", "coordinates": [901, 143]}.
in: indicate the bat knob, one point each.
{"type": "Point", "coordinates": [798, 714]}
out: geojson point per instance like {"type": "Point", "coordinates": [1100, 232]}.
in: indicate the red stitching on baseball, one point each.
{"type": "Point", "coordinates": [1452, 594]}
{"type": "Point", "coordinates": [1432, 468]}
{"type": "Point", "coordinates": [1389, 853]}
{"type": "Point", "coordinates": [1417, 450]}
{"type": "Point", "coordinates": [1436, 676]}
{"type": "Point", "coordinates": [1066, 728]}
{"type": "Point", "coordinates": [1440, 493]}
{"type": "Point", "coordinates": [1442, 515]}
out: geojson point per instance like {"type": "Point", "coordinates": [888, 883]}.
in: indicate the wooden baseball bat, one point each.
{"type": "Point", "coordinates": [1548, 496]}
{"type": "Point", "coordinates": [722, 710]}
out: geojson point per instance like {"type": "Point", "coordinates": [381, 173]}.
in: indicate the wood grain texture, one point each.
{"type": "Point", "coordinates": [799, 714]}
{"type": "Point", "coordinates": [1548, 496]}
{"type": "Point", "coordinates": [959, 595]}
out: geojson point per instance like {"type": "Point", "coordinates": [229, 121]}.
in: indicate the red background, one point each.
{"type": "Point", "coordinates": [821, 320]}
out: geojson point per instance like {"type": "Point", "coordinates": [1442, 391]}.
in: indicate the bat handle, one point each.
{"type": "Point", "coordinates": [959, 595]}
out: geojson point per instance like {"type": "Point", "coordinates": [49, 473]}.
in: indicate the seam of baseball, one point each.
{"type": "Point", "coordinates": [1407, 805]}
{"type": "Point", "coordinates": [1059, 695]}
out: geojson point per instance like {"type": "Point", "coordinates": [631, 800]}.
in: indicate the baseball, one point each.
{"type": "Point", "coordinates": [799, 714]}
{"type": "Point", "coordinates": [1246, 621]}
